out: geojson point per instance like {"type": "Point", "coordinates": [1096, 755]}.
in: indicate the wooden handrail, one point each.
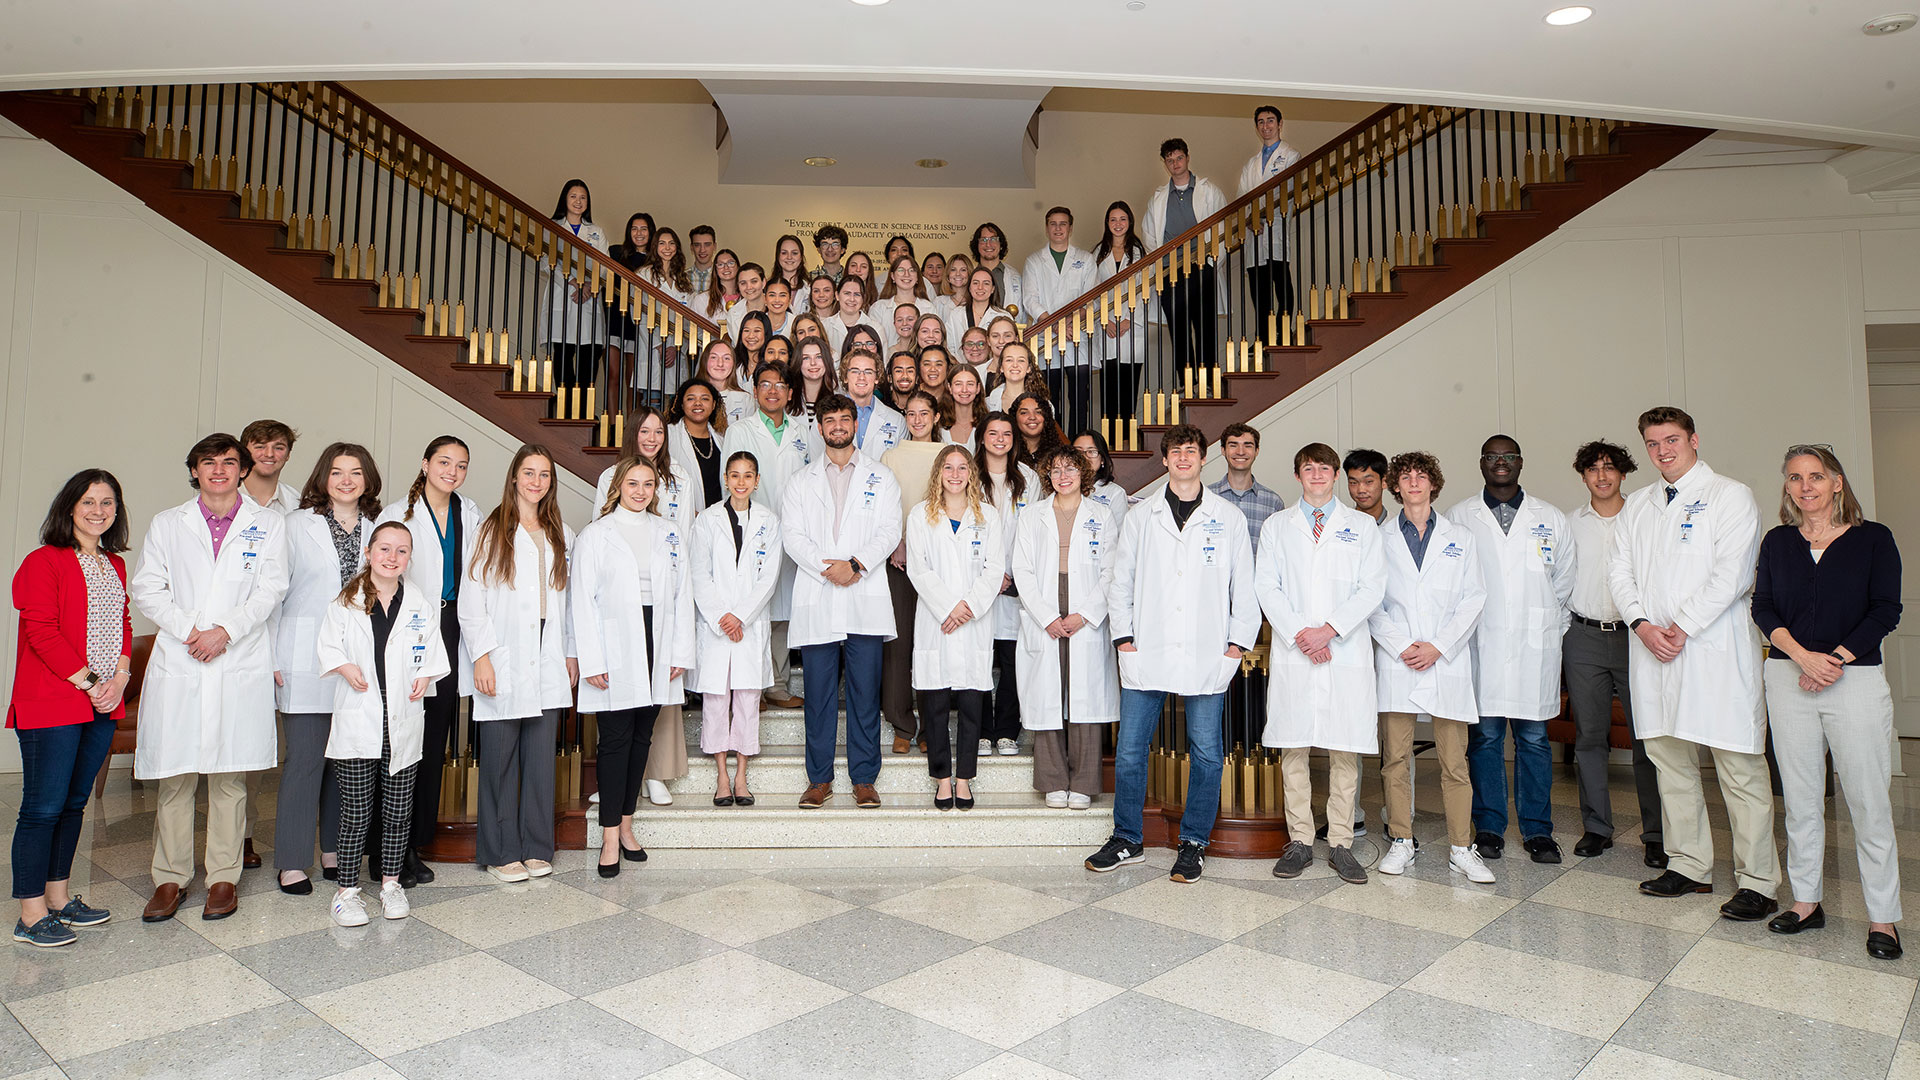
{"type": "Point", "coordinates": [462, 175]}
{"type": "Point", "coordinates": [1329, 154]}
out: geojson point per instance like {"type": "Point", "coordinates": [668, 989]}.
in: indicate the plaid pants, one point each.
{"type": "Point", "coordinates": [358, 778]}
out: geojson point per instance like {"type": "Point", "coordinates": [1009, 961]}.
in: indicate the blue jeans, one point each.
{"type": "Point", "coordinates": [860, 654]}
{"type": "Point", "coordinates": [58, 766]}
{"type": "Point", "coordinates": [1139, 715]}
{"type": "Point", "coordinates": [1532, 776]}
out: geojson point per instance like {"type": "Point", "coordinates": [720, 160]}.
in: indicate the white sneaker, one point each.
{"type": "Point", "coordinates": [594, 798]}
{"type": "Point", "coordinates": [1399, 856]}
{"type": "Point", "coordinates": [348, 908]}
{"type": "Point", "coordinates": [512, 871]}
{"type": "Point", "coordinates": [1008, 747]}
{"type": "Point", "coordinates": [393, 901]}
{"type": "Point", "coordinates": [986, 747]}
{"type": "Point", "coordinates": [1077, 801]}
{"type": "Point", "coordinates": [539, 868]}
{"type": "Point", "coordinates": [1465, 860]}
{"type": "Point", "coordinates": [657, 793]}
{"type": "Point", "coordinates": [1057, 800]}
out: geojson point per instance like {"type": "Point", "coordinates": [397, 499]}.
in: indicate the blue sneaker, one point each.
{"type": "Point", "coordinates": [48, 933]}
{"type": "Point", "coordinates": [79, 914]}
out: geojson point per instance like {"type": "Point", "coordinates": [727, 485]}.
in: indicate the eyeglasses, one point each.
{"type": "Point", "coordinates": [1499, 459]}
{"type": "Point", "coordinates": [1063, 470]}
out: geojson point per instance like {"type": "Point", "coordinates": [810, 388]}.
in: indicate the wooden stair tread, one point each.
{"type": "Point", "coordinates": [346, 282]}
{"type": "Point", "coordinates": [436, 339]}
{"type": "Point", "coordinates": [308, 252]}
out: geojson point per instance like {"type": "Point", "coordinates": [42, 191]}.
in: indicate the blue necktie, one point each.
{"type": "Point", "coordinates": [1671, 492]}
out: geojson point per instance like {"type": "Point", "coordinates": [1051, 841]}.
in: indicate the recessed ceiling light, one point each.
{"type": "Point", "coordinates": [1890, 24]}
{"type": "Point", "coordinates": [931, 163]}
{"type": "Point", "coordinates": [869, 3]}
{"type": "Point", "coordinates": [821, 162]}
{"type": "Point", "coordinates": [1567, 16]}
{"type": "Point", "coordinates": [1136, 5]}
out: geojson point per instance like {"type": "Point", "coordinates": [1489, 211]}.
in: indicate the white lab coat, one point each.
{"type": "Point", "coordinates": [414, 651]}
{"type": "Point", "coordinates": [502, 621]}
{"type": "Point", "coordinates": [582, 322]}
{"type": "Point", "coordinates": [886, 429]}
{"type": "Point", "coordinates": [1528, 572]}
{"type": "Point", "coordinates": [881, 314]}
{"type": "Point", "coordinates": [1094, 697]}
{"type": "Point", "coordinates": [738, 405]}
{"type": "Point", "coordinates": [679, 498]}
{"type": "Point", "coordinates": [286, 499]}
{"type": "Point", "coordinates": [1127, 347]}
{"type": "Point", "coordinates": [1268, 244]}
{"type": "Point", "coordinates": [948, 566]}
{"type": "Point", "coordinates": [1338, 581]}
{"type": "Point", "coordinates": [869, 531]}
{"type": "Point", "coordinates": [214, 717]}
{"type": "Point", "coordinates": [957, 324]}
{"type": "Point", "coordinates": [778, 465]}
{"type": "Point", "coordinates": [741, 585]}
{"type": "Point", "coordinates": [737, 314]}
{"type": "Point", "coordinates": [424, 568]}
{"type": "Point", "coordinates": [1113, 497]}
{"type": "Point", "coordinates": [1207, 201]}
{"type": "Point", "coordinates": [1184, 596]}
{"type": "Point", "coordinates": [1691, 562]}
{"type": "Point", "coordinates": [609, 631]}
{"type": "Point", "coordinates": [1006, 609]}
{"type": "Point", "coordinates": [838, 328]}
{"type": "Point", "coordinates": [1437, 602]}
{"type": "Point", "coordinates": [313, 583]}
{"type": "Point", "coordinates": [1048, 288]}
{"type": "Point", "coordinates": [686, 460]}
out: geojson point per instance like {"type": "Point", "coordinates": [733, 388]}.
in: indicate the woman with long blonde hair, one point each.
{"type": "Point", "coordinates": [513, 619]}
{"type": "Point", "coordinates": [956, 558]}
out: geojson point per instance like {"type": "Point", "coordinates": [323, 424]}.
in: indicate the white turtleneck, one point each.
{"type": "Point", "coordinates": [638, 534]}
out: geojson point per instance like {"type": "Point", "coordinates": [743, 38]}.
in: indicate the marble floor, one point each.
{"type": "Point", "coordinates": [970, 962]}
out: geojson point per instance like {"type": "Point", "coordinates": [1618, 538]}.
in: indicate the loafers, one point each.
{"type": "Point", "coordinates": [1746, 905]}
{"type": "Point", "coordinates": [1656, 856]}
{"type": "Point", "coordinates": [1543, 849]}
{"type": "Point", "coordinates": [165, 901]}
{"type": "Point", "coordinates": [1788, 922]}
{"type": "Point", "coordinates": [1489, 845]}
{"type": "Point", "coordinates": [900, 744]}
{"type": "Point", "coordinates": [1674, 883]}
{"type": "Point", "coordinates": [1592, 844]}
{"type": "Point", "coordinates": [220, 901]}
{"type": "Point", "coordinates": [865, 797]}
{"type": "Point", "coordinates": [816, 796]}
{"type": "Point", "coordinates": [1883, 946]}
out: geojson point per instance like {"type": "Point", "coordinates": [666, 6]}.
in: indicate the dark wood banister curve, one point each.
{"type": "Point", "coordinates": [506, 197]}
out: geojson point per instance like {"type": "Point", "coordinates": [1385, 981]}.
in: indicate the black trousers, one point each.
{"type": "Point", "coordinates": [576, 365]}
{"type": "Point", "coordinates": [936, 711]}
{"type": "Point", "coordinates": [1269, 280]}
{"type": "Point", "coordinates": [626, 735]}
{"type": "Point", "coordinates": [442, 713]}
{"type": "Point", "coordinates": [1189, 309]}
{"type": "Point", "coordinates": [1003, 717]}
{"type": "Point", "coordinates": [1068, 387]}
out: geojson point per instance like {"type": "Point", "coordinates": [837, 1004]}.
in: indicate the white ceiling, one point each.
{"type": "Point", "coordinates": [876, 132]}
{"type": "Point", "coordinates": [1773, 66]}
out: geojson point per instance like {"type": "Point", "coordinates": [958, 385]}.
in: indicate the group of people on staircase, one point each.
{"type": "Point", "coordinates": [956, 309]}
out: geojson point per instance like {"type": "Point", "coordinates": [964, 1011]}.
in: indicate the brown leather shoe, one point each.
{"type": "Point", "coordinates": [900, 744]}
{"type": "Point", "coordinates": [787, 702]}
{"type": "Point", "coordinates": [166, 901]}
{"type": "Point", "coordinates": [865, 797]}
{"type": "Point", "coordinates": [248, 857]}
{"type": "Point", "coordinates": [220, 901]}
{"type": "Point", "coordinates": [816, 796]}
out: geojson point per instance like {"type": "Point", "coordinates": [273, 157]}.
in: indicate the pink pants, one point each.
{"type": "Point", "coordinates": [736, 729]}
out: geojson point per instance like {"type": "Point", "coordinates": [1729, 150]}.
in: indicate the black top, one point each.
{"type": "Point", "coordinates": [1183, 508]}
{"type": "Point", "coordinates": [706, 454]}
{"type": "Point", "coordinates": [733, 521]}
{"type": "Point", "coordinates": [1851, 597]}
{"type": "Point", "coordinates": [382, 629]}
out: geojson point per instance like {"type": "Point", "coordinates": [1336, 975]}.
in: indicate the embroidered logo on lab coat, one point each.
{"type": "Point", "coordinates": [1347, 536]}
{"type": "Point", "coordinates": [1452, 550]}
{"type": "Point", "coordinates": [416, 622]}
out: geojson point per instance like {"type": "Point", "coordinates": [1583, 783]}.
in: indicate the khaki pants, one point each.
{"type": "Point", "coordinates": [782, 659]}
{"type": "Point", "coordinates": [667, 758]}
{"type": "Point", "coordinates": [1683, 810]}
{"type": "Point", "coordinates": [1396, 775]}
{"type": "Point", "coordinates": [1296, 789]}
{"type": "Point", "coordinates": [173, 828]}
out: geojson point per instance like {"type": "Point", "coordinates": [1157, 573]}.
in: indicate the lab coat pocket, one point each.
{"type": "Point", "coordinates": [1130, 669]}
{"type": "Point", "coordinates": [502, 658]}
{"type": "Point", "coordinates": [301, 638]}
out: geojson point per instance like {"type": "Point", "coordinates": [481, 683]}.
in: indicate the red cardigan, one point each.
{"type": "Point", "coordinates": [50, 592]}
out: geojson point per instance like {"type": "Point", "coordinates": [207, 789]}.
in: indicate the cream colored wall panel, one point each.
{"type": "Point", "coordinates": [1589, 348]}
{"type": "Point", "coordinates": [273, 362]}
{"type": "Point", "coordinates": [1890, 265]}
{"type": "Point", "coordinates": [1773, 351]}
{"type": "Point", "coordinates": [1437, 391]}
{"type": "Point", "coordinates": [418, 419]}
{"type": "Point", "coordinates": [1314, 419]}
{"type": "Point", "coordinates": [114, 349]}
{"type": "Point", "coordinates": [1716, 197]}
{"type": "Point", "coordinates": [33, 169]}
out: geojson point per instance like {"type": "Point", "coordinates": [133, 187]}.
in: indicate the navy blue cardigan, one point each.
{"type": "Point", "coordinates": [1851, 597]}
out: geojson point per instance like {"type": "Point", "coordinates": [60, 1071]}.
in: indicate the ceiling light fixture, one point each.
{"type": "Point", "coordinates": [1890, 24]}
{"type": "Point", "coordinates": [1567, 16]}
{"type": "Point", "coordinates": [821, 162]}
{"type": "Point", "coordinates": [870, 3]}
{"type": "Point", "coordinates": [1136, 5]}
{"type": "Point", "coordinates": [931, 163]}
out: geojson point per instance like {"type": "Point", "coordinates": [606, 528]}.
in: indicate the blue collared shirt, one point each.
{"type": "Point", "coordinates": [1416, 543]}
{"type": "Point", "coordinates": [1258, 503]}
{"type": "Point", "coordinates": [860, 415]}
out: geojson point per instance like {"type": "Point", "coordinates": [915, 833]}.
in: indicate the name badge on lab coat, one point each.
{"type": "Point", "coordinates": [1543, 543]}
{"type": "Point", "coordinates": [1210, 547]}
{"type": "Point", "coordinates": [1453, 550]}
{"type": "Point", "coordinates": [248, 561]}
{"type": "Point", "coordinates": [870, 495]}
{"type": "Point", "coordinates": [1686, 522]}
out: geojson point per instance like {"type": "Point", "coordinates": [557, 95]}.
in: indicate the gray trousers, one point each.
{"type": "Point", "coordinates": [1853, 718]}
{"type": "Point", "coordinates": [309, 793]}
{"type": "Point", "coordinates": [516, 789]}
{"type": "Point", "coordinates": [1595, 665]}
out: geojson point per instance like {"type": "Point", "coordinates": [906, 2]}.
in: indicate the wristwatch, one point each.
{"type": "Point", "coordinates": [1635, 624]}
{"type": "Point", "coordinates": [855, 563]}
{"type": "Point", "coordinates": [93, 680]}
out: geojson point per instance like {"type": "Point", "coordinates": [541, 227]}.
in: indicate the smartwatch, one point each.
{"type": "Point", "coordinates": [1635, 624]}
{"type": "Point", "coordinates": [855, 563]}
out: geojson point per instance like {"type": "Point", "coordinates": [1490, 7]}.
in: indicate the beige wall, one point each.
{"type": "Point", "coordinates": [651, 147]}
{"type": "Point", "coordinates": [1739, 294]}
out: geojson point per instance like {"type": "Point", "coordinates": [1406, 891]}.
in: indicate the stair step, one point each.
{"type": "Point", "coordinates": [436, 339]}
{"type": "Point", "coordinates": [346, 282]}
{"type": "Point", "coordinates": [782, 770]}
{"type": "Point", "coordinates": [310, 253]}
{"type": "Point", "coordinates": [997, 820]}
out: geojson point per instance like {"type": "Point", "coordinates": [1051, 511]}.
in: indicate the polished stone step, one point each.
{"type": "Point", "coordinates": [782, 769]}
{"type": "Point", "coordinates": [789, 726]}
{"type": "Point", "coordinates": [1019, 819]}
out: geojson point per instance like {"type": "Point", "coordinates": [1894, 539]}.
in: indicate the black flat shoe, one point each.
{"type": "Point", "coordinates": [964, 802]}
{"type": "Point", "coordinates": [723, 800]}
{"type": "Point", "coordinates": [1592, 844]}
{"type": "Point", "coordinates": [1789, 923]}
{"type": "Point", "coordinates": [303, 887]}
{"type": "Point", "coordinates": [743, 800]}
{"type": "Point", "coordinates": [1543, 849]}
{"type": "Point", "coordinates": [1489, 845]}
{"type": "Point", "coordinates": [611, 869]}
{"type": "Point", "coordinates": [418, 867]}
{"type": "Point", "coordinates": [1656, 856]}
{"type": "Point", "coordinates": [1746, 905]}
{"type": "Point", "coordinates": [1674, 883]}
{"type": "Point", "coordinates": [1883, 946]}
{"type": "Point", "coordinates": [331, 873]}
{"type": "Point", "coordinates": [637, 854]}
{"type": "Point", "coordinates": [943, 804]}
